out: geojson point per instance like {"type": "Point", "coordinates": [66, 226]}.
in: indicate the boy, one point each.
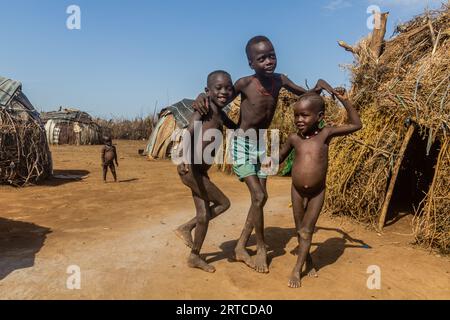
{"type": "Point", "coordinates": [259, 97]}
{"type": "Point", "coordinates": [209, 200]}
{"type": "Point", "coordinates": [109, 155]}
{"type": "Point", "coordinates": [310, 167]}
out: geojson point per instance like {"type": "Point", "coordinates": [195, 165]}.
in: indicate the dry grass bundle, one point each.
{"type": "Point", "coordinates": [24, 154]}
{"type": "Point", "coordinates": [137, 129]}
{"type": "Point", "coordinates": [431, 227]}
{"type": "Point", "coordinates": [402, 97]}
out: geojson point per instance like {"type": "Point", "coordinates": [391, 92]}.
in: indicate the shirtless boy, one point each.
{"type": "Point", "coordinates": [109, 156]}
{"type": "Point", "coordinates": [208, 198]}
{"type": "Point", "coordinates": [310, 167]}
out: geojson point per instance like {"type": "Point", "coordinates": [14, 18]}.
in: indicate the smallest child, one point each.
{"type": "Point", "coordinates": [309, 170]}
{"type": "Point", "coordinates": [109, 155]}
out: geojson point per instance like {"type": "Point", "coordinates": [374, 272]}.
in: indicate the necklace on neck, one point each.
{"type": "Point", "coordinates": [263, 91]}
{"type": "Point", "coordinates": [315, 133]}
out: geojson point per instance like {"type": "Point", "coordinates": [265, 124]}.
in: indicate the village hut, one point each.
{"type": "Point", "coordinates": [400, 161]}
{"type": "Point", "coordinates": [25, 157]}
{"type": "Point", "coordinates": [71, 126]}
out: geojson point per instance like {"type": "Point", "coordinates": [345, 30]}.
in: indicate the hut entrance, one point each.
{"type": "Point", "coordinates": [414, 178]}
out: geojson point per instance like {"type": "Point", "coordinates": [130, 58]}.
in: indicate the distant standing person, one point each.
{"type": "Point", "coordinates": [109, 156]}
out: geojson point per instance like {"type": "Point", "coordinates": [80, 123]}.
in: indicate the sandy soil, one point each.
{"type": "Point", "coordinates": [120, 235]}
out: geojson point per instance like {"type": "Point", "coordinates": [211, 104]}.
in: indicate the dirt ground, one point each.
{"type": "Point", "coordinates": [120, 235]}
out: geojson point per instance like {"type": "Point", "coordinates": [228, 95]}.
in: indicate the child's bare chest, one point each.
{"type": "Point", "coordinates": [314, 148]}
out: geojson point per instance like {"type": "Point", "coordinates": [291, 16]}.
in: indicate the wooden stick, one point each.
{"type": "Point", "coordinates": [383, 152]}
{"type": "Point", "coordinates": [395, 172]}
{"type": "Point", "coordinates": [433, 185]}
{"type": "Point", "coordinates": [433, 35]}
{"type": "Point", "coordinates": [348, 47]}
{"type": "Point", "coordinates": [378, 35]}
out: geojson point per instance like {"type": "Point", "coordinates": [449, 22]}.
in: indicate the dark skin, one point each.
{"type": "Point", "coordinates": [109, 156]}
{"type": "Point", "coordinates": [310, 169]}
{"type": "Point", "coordinates": [209, 200]}
{"type": "Point", "coordinates": [259, 97]}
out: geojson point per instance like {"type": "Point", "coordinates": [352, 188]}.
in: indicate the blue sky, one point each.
{"type": "Point", "coordinates": [132, 55]}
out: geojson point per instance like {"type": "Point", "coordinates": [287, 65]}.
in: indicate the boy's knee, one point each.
{"type": "Point", "coordinates": [259, 198]}
{"type": "Point", "coordinates": [226, 205]}
{"type": "Point", "coordinates": [202, 219]}
{"type": "Point", "coordinates": [305, 234]}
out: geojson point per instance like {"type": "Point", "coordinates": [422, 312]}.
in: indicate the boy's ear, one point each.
{"type": "Point", "coordinates": [250, 64]}
{"type": "Point", "coordinates": [207, 91]}
{"type": "Point", "coordinates": [321, 115]}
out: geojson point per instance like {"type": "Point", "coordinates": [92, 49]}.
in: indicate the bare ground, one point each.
{"type": "Point", "coordinates": [120, 235]}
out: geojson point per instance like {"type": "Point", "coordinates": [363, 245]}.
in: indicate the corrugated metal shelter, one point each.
{"type": "Point", "coordinates": [71, 126]}
{"type": "Point", "coordinates": [24, 153]}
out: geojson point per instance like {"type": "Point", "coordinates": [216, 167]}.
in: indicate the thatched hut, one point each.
{"type": "Point", "coordinates": [400, 161]}
{"type": "Point", "coordinates": [24, 154]}
{"type": "Point", "coordinates": [71, 126]}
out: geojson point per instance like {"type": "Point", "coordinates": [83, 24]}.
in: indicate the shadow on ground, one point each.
{"type": "Point", "coordinates": [61, 177]}
{"type": "Point", "coordinates": [19, 244]}
{"type": "Point", "coordinates": [323, 254]}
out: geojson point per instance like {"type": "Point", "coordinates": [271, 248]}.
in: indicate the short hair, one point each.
{"type": "Point", "coordinates": [254, 41]}
{"type": "Point", "coordinates": [314, 98]}
{"type": "Point", "coordinates": [107, 138]}
{"type": "Point", "coordinates": [215, 73]}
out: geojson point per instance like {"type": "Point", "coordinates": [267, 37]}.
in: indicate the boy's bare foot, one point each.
{"type": "Point", "coordinates": [240, 254]}
{"type": "Point", "coordinates": [261, 261]}
{"type": "Point", "coordinates": [313, 273]}
{"type": "Point", "coordinates": [310, 266]}
{"type": "Point", "coordinates": [194, 261]}
{"type": "Point", "coordinates": [294, 280]}
{"type": "Point", "coordinates": [185, 235]}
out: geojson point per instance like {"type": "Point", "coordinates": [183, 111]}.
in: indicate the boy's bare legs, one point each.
{"type": "Point", "coordinates": [105, 171]}
{"type": "Point", "coordinates": [299, 207]}
{"type": "Point", "coordinates": [305, 230]}
{"type": "Point", "coordinates": [255, 218]}
{"type": "Point", "coordinates": [113, 171]}
{"type": "Point", "coordinates": [213, 194]}
{"type": "Point", "coordinates": [194, 260]}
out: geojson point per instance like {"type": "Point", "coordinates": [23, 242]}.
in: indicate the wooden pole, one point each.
{"type": "Point", "coordinates": [395, 172]}
{"type": "Point", "coordinates": [378, 34]}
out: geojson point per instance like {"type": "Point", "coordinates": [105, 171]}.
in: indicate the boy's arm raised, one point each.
{"type": "Point", "coordinates": [354, 121]}
{"type": "Point", "coordinates": [291, 86]}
